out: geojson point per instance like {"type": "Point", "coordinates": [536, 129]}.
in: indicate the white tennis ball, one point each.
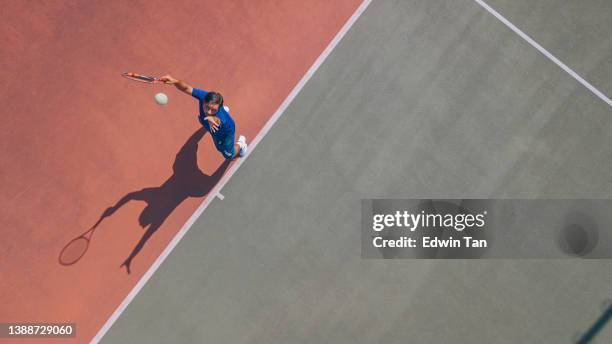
{"type": "Point", "coordinates": [161, 99]}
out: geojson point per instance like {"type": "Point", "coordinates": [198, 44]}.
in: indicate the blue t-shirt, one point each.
{"type": "Point", "coordinates": [227, 126]}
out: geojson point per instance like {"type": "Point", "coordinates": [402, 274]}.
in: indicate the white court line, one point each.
{"type": "Point", "coordinates": [545, 52]}
{"type": "Point", "coordinates": [215, 191]}
{"type": "Point", "coordinates": [220, 196]}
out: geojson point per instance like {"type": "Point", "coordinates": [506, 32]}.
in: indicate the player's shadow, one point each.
{"type": "Point", "coordinates": [186, 181]}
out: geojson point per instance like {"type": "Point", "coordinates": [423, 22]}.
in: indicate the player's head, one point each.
{"type": "Point", "coordinates": [212, 102]}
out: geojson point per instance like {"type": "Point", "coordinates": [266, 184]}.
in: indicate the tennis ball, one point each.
{"type": "Point", "coordinates": [161, 99]}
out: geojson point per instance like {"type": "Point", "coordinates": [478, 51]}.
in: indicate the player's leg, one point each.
{"type": "Point", "coordinates": [230, 148]}
{"type": "Point", "coordinates": [225, 146]}
{"type": "Point", "coordinates": [236, 150]}
{"type": "Point", "coordinates": [240, 146]}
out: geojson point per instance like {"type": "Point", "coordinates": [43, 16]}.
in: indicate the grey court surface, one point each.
{"type": "Point", "coordinates": [421, 99]}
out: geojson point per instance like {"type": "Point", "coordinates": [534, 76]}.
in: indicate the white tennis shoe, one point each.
{"type": "Point", "coordinates": [243, 146]}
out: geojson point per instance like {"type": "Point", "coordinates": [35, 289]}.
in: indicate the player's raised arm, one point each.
{"type": "Point", "coordinates": [181, 85]}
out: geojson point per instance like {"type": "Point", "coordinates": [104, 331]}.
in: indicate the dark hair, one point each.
{"type": "Point", "coordinates": [214, 98]}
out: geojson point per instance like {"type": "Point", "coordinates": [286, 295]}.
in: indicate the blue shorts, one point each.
{"type": "Point", "coordinates": [225, 145]}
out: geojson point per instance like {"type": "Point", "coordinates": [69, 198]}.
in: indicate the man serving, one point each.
{"type": "Point", "coordinates": [215, 118]}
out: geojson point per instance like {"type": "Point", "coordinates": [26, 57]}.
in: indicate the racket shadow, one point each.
{"type": "Point", "coordinates": [186, 181]}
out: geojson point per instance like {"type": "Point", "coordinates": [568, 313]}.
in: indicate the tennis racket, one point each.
{"type": "Point", "coordinates": [141, 78]}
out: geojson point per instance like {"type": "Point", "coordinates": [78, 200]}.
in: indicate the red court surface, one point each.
{"type": "Point", "coordinates": [76, 137]}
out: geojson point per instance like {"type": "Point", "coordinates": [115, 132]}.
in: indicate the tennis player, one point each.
{"type": "Point", "coordinates": [215, 117]}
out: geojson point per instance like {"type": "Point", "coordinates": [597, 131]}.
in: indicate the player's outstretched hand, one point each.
{"type": "Point", "coordinates": [168, 79]}
{"type": "Point", "coordinates": [214, 122]}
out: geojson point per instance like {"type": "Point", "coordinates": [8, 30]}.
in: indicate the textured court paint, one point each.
{"type": "Point", "coordinates": [76, 137]}
{"type": "Point", "coordinates": [545, 52]}
{"type": "Point", "coordinates": [577, 32]}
